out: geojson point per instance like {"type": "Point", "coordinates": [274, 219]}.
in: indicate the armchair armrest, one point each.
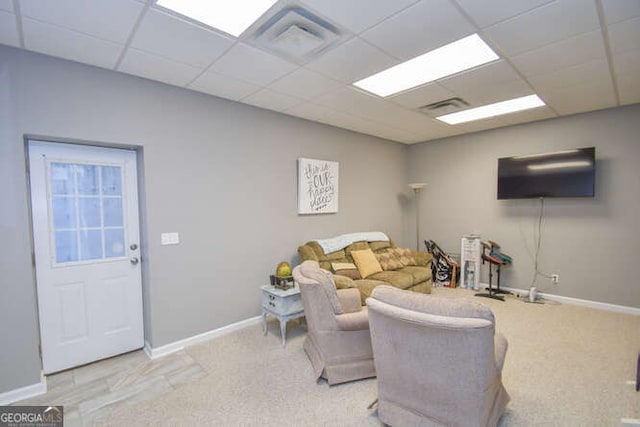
{"type": "Point", "coordinates": [358, 321]}
{"type": "Point", "coordinates": [349, 300]}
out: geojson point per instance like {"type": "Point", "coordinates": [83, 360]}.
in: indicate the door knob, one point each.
{"type": "Point", "coordinates": [134, 260]}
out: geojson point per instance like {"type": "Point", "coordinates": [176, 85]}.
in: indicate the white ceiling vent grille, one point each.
{"type": "Point", "coordinates": [296, 34]}
{"type": "Point", "coordinates": [443, 107]}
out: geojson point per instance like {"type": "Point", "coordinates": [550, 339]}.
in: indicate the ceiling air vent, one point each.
{"type": "Point", "coordinates": [296, 34]}
{"type": "Point", "coordinates": [443, 107]}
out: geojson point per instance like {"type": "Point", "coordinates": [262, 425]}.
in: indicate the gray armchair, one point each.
{"type": "Point", "coordinates": [437, 360]}
{"type": "Point", "coordinates": [338, 341]}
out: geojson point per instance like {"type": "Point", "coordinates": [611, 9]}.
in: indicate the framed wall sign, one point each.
{"type": "Point", "coordinates": [317, 186]}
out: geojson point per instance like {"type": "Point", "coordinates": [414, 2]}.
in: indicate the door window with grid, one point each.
{"type": "Point", "coordinates": [86, 205]}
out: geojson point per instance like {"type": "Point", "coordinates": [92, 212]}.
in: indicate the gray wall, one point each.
{"type": "Point", "coordinates": [222, 174]}
{"type": "Point", "coordinates": [591, 243]}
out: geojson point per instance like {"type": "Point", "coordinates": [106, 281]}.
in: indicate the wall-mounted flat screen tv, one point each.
{"type": "Point", "coordinates": [567, 173]}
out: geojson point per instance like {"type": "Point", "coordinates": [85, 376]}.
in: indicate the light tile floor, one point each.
{"type": "Point", "coordinates": [92, 392]}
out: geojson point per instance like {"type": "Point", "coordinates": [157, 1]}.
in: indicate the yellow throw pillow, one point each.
{"type": "Point", "coordinates": [366, 262]}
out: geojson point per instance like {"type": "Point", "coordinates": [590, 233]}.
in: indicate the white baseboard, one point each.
{"type": "Point", "coordinates": [24, 392]}
{"type": "Point", "coordinates": [575, 301]}
{"type": "Point", "coordinates": [154, 353]}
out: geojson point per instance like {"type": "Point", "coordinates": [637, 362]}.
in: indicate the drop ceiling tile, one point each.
{"type": "Point", "coordinates": [422, 124]}
{"type": "Point", "coordinates": [154, 67]}
{"type": "Point", "coordinates": [356, 102]}
{"type": "Point", "coordinates": [394, 116]}
{"type": "Point", "coordinates": [627, 70]}
{"type": "Point", "coordinates": [305, 84]}
{"type": "Point", "coordinates": [628, 88]}
{"type": "Point", "coordinates": [421, 96]}
{"type": "Point", "coordinates": [223, 86]}
{"type": "Point", "coordinates": [6, 5]}
{"type": "Point", "coordinates": [272, 100]}
{"type": "Point", "coordinates": [628, 62]}
{"type": "Point", "coordinates": [391, 133]}
{"type": "Point", "coordinates": [419, 29]}
{"type": "Point", "coordinates": [179, 40]}
{"type": "Point", "coordinates": [351, 61]}
{"type": "Point", "coordinates": [489, 12]}
{"type": "Point", "coordinates": [565, 53]}
{"type": "Point", "coordinates": [8, 29]}
{"type": "Point", "coordinates": [544, 25]}
{"type": "Point", "coordinates": [358, 124]}
{"type": "Point", "coordinates": [252, 65]}
{"type": "Point", "coordinates": [581, 74]}
{"type": "Point", "coordinates": [313, 112]}
{"type": "Point", "coordinates": [541, 113]}
{"type": "Point", "coordinates": [110, 20]}
{"type": "Point", "coordinates": [625, 35]}
{"type": "Point", "coordinates": [485, 124]}
{"type": "Point", "coordinates": [357, 15]}
{"type": "Point", "coordinates": [620, 10]}
{"type": "Point", "coordinates": [580, 98]}
{"type": "Point", "coordinates": [67, 44]}
{"type": "Point", "coordinates": [341, 119]}
{"type": "Point", "coordinates": [487, 84]}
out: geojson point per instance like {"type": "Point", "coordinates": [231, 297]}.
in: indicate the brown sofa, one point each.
{"type": "Point", "coordinates": [412, 272]}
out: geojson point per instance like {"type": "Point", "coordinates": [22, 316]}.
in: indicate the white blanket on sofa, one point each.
{"type": "Point", "coordinates": [340, 242]}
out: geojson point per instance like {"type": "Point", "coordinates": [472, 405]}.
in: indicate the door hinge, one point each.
{"type": "Point", "coordinates": [33, 258]}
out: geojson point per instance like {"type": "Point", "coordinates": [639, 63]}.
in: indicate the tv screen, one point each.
{"type": "Point", "coordinates": [568, 173]}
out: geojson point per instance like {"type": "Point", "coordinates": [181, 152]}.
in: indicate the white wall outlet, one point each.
{"type": "Point", "coordinates": [169, 238]}
{"type": "Point", "coordinates": [555, 278]}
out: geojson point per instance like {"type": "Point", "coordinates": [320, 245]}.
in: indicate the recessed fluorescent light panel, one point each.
{"type": "Point", "coordinates": [492, 110]}
{"type": "Point", "coordinates": [458, 56]}
{"type": "Point", "coordinates": [232, 17]}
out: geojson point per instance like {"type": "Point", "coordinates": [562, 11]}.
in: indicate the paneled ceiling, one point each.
{"type": "Point", "coordinates": [577, 55]}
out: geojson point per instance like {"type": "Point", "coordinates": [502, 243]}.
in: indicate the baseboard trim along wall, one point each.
{"type": "Point", "coordinates": [575, 301]}
{"type": "Point", "coordinates": [24, 392]}
{"type": "Point", "coordinates": [154, 353]}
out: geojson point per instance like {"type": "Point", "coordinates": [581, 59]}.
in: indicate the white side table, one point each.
{"type": "Point", "coordinates": [285, 305]}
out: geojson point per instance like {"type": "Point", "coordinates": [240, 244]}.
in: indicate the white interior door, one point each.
{"type": "Point", "coordinates": [86, 238]}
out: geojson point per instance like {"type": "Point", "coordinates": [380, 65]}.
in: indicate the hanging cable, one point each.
{"type": "Point", "coordinates": [538, 243]}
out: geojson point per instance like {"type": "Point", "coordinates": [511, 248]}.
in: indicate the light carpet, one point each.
{"type": "Point", "coordinates": [566, 366]}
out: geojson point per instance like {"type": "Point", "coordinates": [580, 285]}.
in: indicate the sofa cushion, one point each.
{"type": "Point", "coordinates": [405, 256]}
{"type": "Point", "coordinates": [343, 282]}
{"type": "Point", "coordinates": [396, 278]}
{"type": "Point", "coordinates": [319, 252]}
{"type": "Point", "coordinates": [380, 245]}
{"type": "Point", "coordinates": [347, 269]}
{"type": "Point", "coordinates": [423, 258]}
{"type": "Point", "coordinates": [366, 262]}
{"type": "Point", "coordinates": [389, 260]}
{"type": "Point", "coordinates": [419, 273]}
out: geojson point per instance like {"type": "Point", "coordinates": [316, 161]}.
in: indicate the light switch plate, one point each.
{"type": "Point", "coordinates": [169, 238]}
